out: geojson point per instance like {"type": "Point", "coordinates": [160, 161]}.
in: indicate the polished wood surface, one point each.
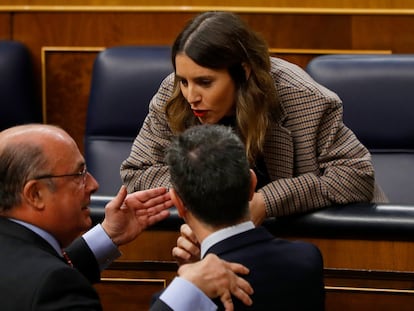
{"type": "Point", "coordinates": [373, 4]}
{"type": "Point", "coordinates": [151, 245]}
{"type": "Point", "coordinates": [72, 83]}
{"type": "Point", "coordinates": [5, 26]}
{"type": "Point", "coordinates": [362, 301]}
{"type": "Point", "coordinates": [344, 254]}
{"type": "Point", "coordinates": [128, 294]}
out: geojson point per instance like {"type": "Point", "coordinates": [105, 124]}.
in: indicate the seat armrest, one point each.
{"type": "Point", "coordinates": [358, 220]}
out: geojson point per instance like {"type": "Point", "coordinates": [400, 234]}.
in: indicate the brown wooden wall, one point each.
{"type": "Point", "coordinates": [65, 36]}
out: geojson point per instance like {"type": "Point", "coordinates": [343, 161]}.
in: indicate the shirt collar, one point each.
{"type": "Point", "coordinates": [225, 233]}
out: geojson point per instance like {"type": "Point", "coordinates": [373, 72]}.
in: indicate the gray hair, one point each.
{"type": "Point", "coordinates": [19, 162]}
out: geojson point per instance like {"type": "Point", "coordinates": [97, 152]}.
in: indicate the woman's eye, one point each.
{"type": "Point", "coordinates": [183, 82]}
{"type": "Point", "coordinates": [205, 82]}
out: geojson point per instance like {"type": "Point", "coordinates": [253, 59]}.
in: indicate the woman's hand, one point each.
{"type": "Point", "coordinates": [257, 209]}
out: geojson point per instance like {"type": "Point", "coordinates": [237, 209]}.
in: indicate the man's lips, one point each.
{"type": "Point", "coordinates": [199, 113]}
{"type": "Point", "coordinates": [86, 206]}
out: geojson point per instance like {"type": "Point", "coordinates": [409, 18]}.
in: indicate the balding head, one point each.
{"type": "Point", "coordinates": [23, 155]}
{"type": "Point", "coordinates": [44, 182]}
{"type": "Point", "coordinates": [35, 134]}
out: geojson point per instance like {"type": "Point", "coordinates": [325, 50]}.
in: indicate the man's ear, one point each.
{"type": "Point", "coordinates": [253, 183]}
{"type": "Point", "coordinates": [247, 70]}
{"type": "Point", "coordinates": [179, 204]}
{"type": "Point", "coordinates": [33, 194]}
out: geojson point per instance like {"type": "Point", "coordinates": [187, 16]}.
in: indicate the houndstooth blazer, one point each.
{"type": "Point", "coordinates": [312, 158]}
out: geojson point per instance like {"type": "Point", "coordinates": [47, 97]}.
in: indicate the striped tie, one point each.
{"type": "Point", "coordinates": [65, 255]}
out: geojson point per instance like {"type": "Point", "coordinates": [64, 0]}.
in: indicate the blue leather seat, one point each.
{"type": "Point", "coordinates": [18, 104]}
{"type": "Point", "coordinates": [378, 98]}
{"type": "Point", "coordinates": [124, 79]}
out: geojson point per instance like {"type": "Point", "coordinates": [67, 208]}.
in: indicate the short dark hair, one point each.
{"type": "Point", "coordinates": [211, 174]}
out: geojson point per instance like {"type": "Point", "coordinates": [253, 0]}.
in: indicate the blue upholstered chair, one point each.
{"type": "Point", "coordinates": [124, 79]}
{"type": "Point", "coordinates": [378, 98]}
{"type": "Point", "coordinates": [18, 103]}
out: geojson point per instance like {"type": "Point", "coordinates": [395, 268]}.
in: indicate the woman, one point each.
{"type": "Point", "coordinates": [304, 156]}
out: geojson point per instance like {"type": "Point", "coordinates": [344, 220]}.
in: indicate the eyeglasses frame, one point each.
{"type": "Point", "coordinates": [82, 174]}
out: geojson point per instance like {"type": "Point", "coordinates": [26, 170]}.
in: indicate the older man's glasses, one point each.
{"type": "Point", "coordinates": [82, 174]}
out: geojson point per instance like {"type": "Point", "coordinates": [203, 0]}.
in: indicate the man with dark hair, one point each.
{"type": "Point", "coordinates": [212, 185]}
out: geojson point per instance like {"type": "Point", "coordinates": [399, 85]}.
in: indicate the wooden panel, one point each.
{"type": "Point", "coordinates": [338, 253]}
{"type": "Point", "coordinates": [130, 285]}
{"type": "Point", "coordinates": [151, 245]}
{"type": "Point", "coordinates": [127, 294]}
{"type": "Point", "coordinates": [361, 290]}
{"type": "Point", "coordinates": [382, 32]}
{"type": "Point", "coordinates": [5, 30]}
{"type": "Point", "coordinates": [156, 270]}
{"type": "Point", "coordinates": [366, 254]}
{"type": "Point", "coordinates": [235, 3]}
{"type": "Point", "coordinates": [98, 29]}
{"type": "Point", "coordinates": [348, 279]}
{"type": "Point", "coordinates": [363, 301]}
{"type": "Point", "coordinates": [293, 30]}
{"type": "Point", "coordinates": [66, 80]}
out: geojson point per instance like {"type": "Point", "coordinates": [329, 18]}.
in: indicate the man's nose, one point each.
{"type": "Point", "coordinates": [91, 183]}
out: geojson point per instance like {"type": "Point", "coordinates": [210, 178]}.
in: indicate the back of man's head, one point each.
{"type": "Point", "coordinates": [210, 172]}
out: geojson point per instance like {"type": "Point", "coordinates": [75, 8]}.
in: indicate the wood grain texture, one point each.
{"type": "Point", "coordinates": [5, 30]}
{"type": "Point", "coordinates": [387, 4]}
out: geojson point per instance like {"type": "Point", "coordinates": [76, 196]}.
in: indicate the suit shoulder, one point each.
{"type": "Point", "coordinates": [300, 249]}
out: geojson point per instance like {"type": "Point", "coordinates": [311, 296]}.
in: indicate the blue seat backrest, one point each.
{"type": "Point", "coordinates": [18, 104]}
{"type": "Point", "coordinates": [124, 80]}
{"type": "Point", "coordinates": [378, 98]}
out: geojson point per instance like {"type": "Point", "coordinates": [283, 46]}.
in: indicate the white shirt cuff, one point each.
{"type": "Point", "coordinates": [182, 295]}
{"type": "Point", "coordinates": [101, 245]}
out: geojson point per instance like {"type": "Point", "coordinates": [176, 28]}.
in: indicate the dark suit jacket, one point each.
{"type": "Point", "coordinates": [284, 275]}
{"type": "Point", "coordinates": [34, 277]}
